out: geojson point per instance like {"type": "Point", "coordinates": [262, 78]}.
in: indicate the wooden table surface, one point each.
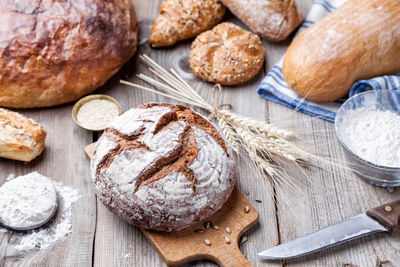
{"type": "Point", "coordinates": [329, 195]}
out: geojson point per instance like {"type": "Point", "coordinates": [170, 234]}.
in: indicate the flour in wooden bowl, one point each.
{"type": "Point", "coordinates": [373, 135]}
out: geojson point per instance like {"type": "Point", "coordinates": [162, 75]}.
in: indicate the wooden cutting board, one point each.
{"type": "Point", "coordinates": [177, 248]}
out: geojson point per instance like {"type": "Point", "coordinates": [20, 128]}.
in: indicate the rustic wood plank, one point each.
{"type": "Point", "coordinates": [331, 195]}
{"type": "Point", "coordinates": [117, 243]}
{"type": "Point", "coordinates": [64, 162]}
{"type": "Point", "coordinates": [334, 193]}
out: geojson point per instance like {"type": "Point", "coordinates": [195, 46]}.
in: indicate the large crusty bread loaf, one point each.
{"type": "Point", "coordinates": [162, 167]}
{"type": "Point", "coordinates": [359, 40]}
{"type": "Point", "coordinates": [184, 19]}
{"type": "Point", "coordinates": [53, 52]}
{"type": "Point", "coordinates": [21, 138]}
{"type": "Point", "coordinates": [271, 19]}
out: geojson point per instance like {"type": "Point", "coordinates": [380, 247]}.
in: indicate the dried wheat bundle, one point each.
{"type": "Point", "coordinates": [267, 146]}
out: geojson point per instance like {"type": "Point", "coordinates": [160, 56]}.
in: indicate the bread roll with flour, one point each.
{"type": "Point", "coordinates": [21, 138]}
{"type": "Point", "coordinates": [271, 19]}
{"type": "Point", "coordinates": [162, 167]}
{"type": "Point", "coordinates": [359, 40]}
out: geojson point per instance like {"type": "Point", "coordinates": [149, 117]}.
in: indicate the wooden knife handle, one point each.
{"type": "Point", "coordinates": [388, 215]}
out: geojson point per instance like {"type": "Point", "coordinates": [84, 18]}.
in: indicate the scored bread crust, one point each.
{"type": "Point", "coordinates": [227, 55]}
{"type": "Point", "coordinates": [21, 138]}
{"type": "Point", "coordinates": [162, 167]}
{"type": "Point", "coordinates": [271, 19]}
{"type": "Point", "coordinates": [53, 52]}
{"type": "Point", "coordinates": [184, 19]}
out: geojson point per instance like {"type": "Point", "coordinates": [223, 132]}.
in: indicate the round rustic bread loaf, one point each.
{"type": "Point", "coordinates": [162, 167]}
{"type": "Point", "coordinates": [53, 52]}
{"type": "Point", "coordinates": [227, 54]}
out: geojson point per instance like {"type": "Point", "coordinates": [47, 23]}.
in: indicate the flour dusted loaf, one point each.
{"type": "Point", "coordinates": [162, 167]}
{"type": "Point", "coordinates": [271, 19]}
{"type": "Point", "coordinates": [360, 40]}
{"type": "Point", "coordinates": [21, 138]}
{"type": "Point", "coordinates": [53, 52]}
{"type": "Point", "coordinates": [227, 54]}
{"type": "Point", "coordinates": [184, 19]}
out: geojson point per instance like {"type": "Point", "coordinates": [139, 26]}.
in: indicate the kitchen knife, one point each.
{"type": "Point", "coordinates": [385, 218]}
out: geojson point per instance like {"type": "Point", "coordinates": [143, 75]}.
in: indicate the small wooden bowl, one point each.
{"type": "Point", "coordinates": [89, 98]}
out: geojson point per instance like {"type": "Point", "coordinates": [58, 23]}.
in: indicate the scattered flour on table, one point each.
{"type": "Point", "coordinates": [57, 230]}
{"type": "Point", "coordinates": [373, 135]}
{"type": "Point", "coordinates": [10, 176]}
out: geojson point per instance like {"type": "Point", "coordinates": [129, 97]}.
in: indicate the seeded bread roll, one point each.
{"type": "Point", "coordinates": [162, 167]}
{"type": "Point", "coordinates": [21, 138]}
{"type": "Point", "coordinates": [227, 55]}
{"type": "Point", "coordinates": [272, 19]}
{"type": "Point", "coordinates": [184, 19]}
{"type": "Point", "coordinates": [53, 52]}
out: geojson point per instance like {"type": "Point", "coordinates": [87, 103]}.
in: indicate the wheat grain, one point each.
{"type": "Point", "coordinates": [257, 126]}
{"type": "Point", "coordinates": [230, 135]}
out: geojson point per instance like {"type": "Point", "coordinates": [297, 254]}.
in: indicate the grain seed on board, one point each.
{"type": "Point", "coordinates": [228, 230]}
{"type": "Point", "coordinates": [247, 209]}
{"type": "Point", "coordinates": [207, 242]}
{"type": "Point", "coordinates": [216, 227]}
{"type": "Point", "coordinates": [258, 200]}
{"type": "Point", "coordinates": [244, 239]}
{"type": "Point", "coordinates": [207, 225]}
{"type": "Point", "coordinates": [227, 240]}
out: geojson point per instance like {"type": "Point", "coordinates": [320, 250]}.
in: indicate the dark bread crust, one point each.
{"type": "Point", "coordinates": [53, 52]}
{"type": "Point", "coordinates": [155, 212]}
{"type": "Point", "coordinates": [194, 119]}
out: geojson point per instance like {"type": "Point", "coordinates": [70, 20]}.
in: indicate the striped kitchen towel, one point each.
{"type": "Point", "coordinates": [274, 87]}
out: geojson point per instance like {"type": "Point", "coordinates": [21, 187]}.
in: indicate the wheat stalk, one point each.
{"type": "Point", "coordinates": [266, 145]}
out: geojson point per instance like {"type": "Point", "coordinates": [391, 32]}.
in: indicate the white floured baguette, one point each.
{"type": "Point", "coordinates": [21, 138]}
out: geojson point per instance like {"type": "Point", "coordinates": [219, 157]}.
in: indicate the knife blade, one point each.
{"type": "Point", "coordinates": [384, 218]}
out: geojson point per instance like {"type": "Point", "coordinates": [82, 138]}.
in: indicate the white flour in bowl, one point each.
{"type": "Point", "coordinates": [27, 201]}
{"type": "Point", "coordinates": [97, 114]}
{"type": "Point", "coordinates": [373, 135]}
{"type": "Point", "coordinates": [54, 231]}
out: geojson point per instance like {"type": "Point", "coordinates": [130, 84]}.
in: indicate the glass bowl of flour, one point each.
{"type": "Point", "coordinates": [368, 127]}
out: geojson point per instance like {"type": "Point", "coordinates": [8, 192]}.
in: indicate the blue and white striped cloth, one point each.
{"type": "Point", "coordinates": [274, 87]}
